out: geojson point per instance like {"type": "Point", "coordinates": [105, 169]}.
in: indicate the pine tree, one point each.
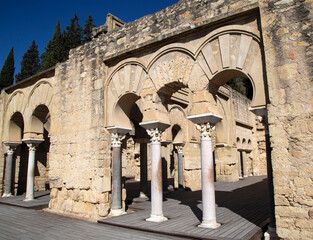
{"type": "Point", "coordinates": [30, 64]}
{"type": "Point", "coordinates": [73, 35]}
{"type": "Point", "coordinates": [89, 25]}
{"type": "Point", "coordinates": [7, 72]}
{"type": "Point", "coordinates": [55, 51]}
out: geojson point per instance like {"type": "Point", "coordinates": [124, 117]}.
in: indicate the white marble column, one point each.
{"type": "Point", "coordinates": [11, 146]}
{"type": "Point", "coordinates": [31, 144]}
{"type": "Point", "coordinates": [179, 147]}
{"type": "Point", "coordinates": [205, 123]}
{"type": "Point", "coordinates": [117, 136]}
{"type": "Point", "coordinates": [154, 130]}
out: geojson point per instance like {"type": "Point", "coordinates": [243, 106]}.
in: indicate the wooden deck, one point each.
{"type": "Point", "coordinates": [242, 209]}
{"type": "Point", "coordinates": [41, 201]}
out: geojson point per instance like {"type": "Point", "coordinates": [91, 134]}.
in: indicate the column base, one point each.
{"type": "Point", "coordinates": [270, 234]}
{"type": "Point", "coordinates": [155, 218]}
{"type": "Point", "coordinates": [143, 195]}
{"type": "Point", "coordinates": [117, 212]}
{"type": "Point", "coordinates": [29, 199]}
{"type": "Point", "coordinates": [7, 195]}
{"type": "Point", "coordinates": [209, 224]}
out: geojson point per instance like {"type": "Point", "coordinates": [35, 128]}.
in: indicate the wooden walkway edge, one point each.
{"type": "Point", "coordinates": [242, 209]}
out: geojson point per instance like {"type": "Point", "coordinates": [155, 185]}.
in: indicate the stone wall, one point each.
{"type": "Point", "coordinates": [80, 159]}
{"type": "Point", "coordinates": [80, 156]}
{"type": "Point", "coordinates": [2, 147]}
{"type": "Point", "coordinates": [287, 35]}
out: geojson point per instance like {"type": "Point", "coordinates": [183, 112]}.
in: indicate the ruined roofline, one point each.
{"type": "Point", "coordinates": [167, 24]}
{"type": "Point", "coordinates": [112, 22]}
{"type": "Point", "coordinates": [28, 81]}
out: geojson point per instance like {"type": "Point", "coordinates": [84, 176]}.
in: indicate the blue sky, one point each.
{"type": "Point", "coordinates": [21, 22]}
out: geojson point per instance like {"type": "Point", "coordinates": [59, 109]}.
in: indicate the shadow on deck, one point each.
{"type": "Point", "coordinates": [242, 209]}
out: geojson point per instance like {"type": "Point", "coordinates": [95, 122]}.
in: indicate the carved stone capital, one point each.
{"type": "Point", "coordinates": [10, 149]}
{"type": "Point", "coordinates": [31, 147]}
{"type": "Point", "coordinates": [155, 134]}
{"type": "Point", "coordinates": [32, 143]}
{"type": "Point", "coordinates": [179, 148]}
{"type": "Point", "coordinates": [116, 139]}
{"type": "Point", "coordinates": [11, 146]}
{"type": "Point", "coordinates": [205, 129]}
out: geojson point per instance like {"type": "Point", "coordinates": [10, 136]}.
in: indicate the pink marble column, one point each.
{"type": "Point", "coordinates": [205, 124]}
{"type": "Point", "coordinates": [154, 130]}
{"type": "Point", "coordinates": [117, 136]}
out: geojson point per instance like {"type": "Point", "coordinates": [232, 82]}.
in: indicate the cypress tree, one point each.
{"type": "Point", "coordinates": [73, 34]}
{"type": "Point", "coordinates": [55, 51]}
{"type": "Point", "coordinates": [30, 64]}
{"type": "Point", "coordinates": [89, 24]}
{"type": "Point", "coordinates": [7, 72]}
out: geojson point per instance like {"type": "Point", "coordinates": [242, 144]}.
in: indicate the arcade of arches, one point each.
{"type": "Point", "coordinates": [133, 105]}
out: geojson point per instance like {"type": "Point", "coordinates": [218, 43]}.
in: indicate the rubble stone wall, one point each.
{"type": "Point", "coordinates": [287, 35]}
{"type": "Point", "coordinates": [80, 156]}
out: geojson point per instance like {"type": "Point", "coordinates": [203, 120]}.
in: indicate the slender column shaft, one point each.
{"type": "Point", "coordinates": [117, 135]}
{"type": "Point", "coordinates": [8, 173]}
{"type": "Point", "coordinates": [143, 170]}
{"type": "Point", "coordinates": [207, 181]}
{"type": "Point", "coordinates": [239, 164]}
{"type": "Point", "coordinates": [244, 164]}
{"type": "Point", "coordinates": [156, 177]}
{"type": "Point", "coordinates": [156, 180]}
{"type": "Point", "coordinates": [116, 178]}
{"type": "Point", "coordinates": [207, 177]}
{"type": "Point", "coordinates": [180, 167]}
{"type": "Point", "coordinates": [30, 173]}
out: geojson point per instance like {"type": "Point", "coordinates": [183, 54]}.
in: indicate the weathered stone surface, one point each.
{"type": "Point", "coordinates": [178, 59]}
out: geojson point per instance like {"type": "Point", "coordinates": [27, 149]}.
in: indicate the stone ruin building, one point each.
{"type": "Point", "coordinates": [150, 91]}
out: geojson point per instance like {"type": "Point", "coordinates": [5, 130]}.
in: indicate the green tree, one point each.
{"type": "Point", "coordinates": [30, 64]}
{"type": "Point", "coordinates": [7, 72]}
{"type": "Point", "coordinates": [242, 85]}
{"type": "Point", "coordinates": [73, 35]}
{"type": "Point", "coordinates": [89, 25]}
{"type": "Point", "coordinates": [55, 51]}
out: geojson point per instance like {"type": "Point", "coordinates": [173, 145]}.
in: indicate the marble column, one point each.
{"type": "Point", "coordinates": [117, 135]}
{"type": "Point", "coordinates": [179, 147]}
{"type": "Point", "coordinates": [239, 165]}
{"type": "Point", "coordinates": [244, 164]}
{"type": "Point", "coordinates": [154, 130]}
{"type": "Point", "coordinates": [143, 170]}
{"type": "Point", "coordinates": [165, 156]}
{"type": "Point", "coordinates": [11, 146]}
{"type": "Point", "coordinates": [32, 145]}
{"type": "Point", "coordinates": [205, 124]}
